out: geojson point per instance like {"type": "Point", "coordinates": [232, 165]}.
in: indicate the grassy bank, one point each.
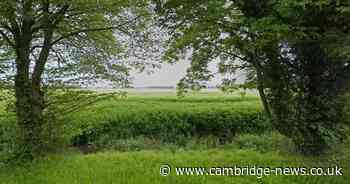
{"type": "Point", "coordinates": [143, 167]}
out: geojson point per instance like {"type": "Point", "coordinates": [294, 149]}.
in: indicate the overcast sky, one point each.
{"type": "Point", "coordinates": [170, 74]}
{"type": "Point", "coordinates": [167, 75]}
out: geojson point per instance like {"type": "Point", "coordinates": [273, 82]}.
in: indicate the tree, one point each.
{"type": "Point", "coordinates": [298, 50]}
{"type": "Point", "coordinates": [214, 29]}
{"type": "Point", "coordinates": [312, 58]}
{"type": "Point", "coordinates": [64, 40]}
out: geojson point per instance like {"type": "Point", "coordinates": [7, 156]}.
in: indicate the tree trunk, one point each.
{"type": "Point", "coordinates": [260, 86]}
{"type": "Point", "coordinates": [28, 97]}
{"type": "Point", "coordinates": [29, 112]}
{"type": "Point", "coordinates": [254, 60]}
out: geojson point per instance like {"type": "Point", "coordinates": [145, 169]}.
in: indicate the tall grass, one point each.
{"type": "Point", "coordinates": [143, 167]}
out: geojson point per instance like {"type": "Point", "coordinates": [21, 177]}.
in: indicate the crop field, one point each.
{"type": "Point", "coordinates": [130, 137]}
{"type": "Point", "coordinates": [166, 117]}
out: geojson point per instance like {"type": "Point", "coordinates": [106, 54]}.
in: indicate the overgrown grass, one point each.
{"type": "Point", "coordinates": [143, 167]}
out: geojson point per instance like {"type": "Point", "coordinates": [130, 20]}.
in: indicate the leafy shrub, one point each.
{"type": "Point", "coordinates": [270, 141]}
{"type": "Point", "coordinates": [8, 132]}
{"type": "Point", "coordinates": [130, 144]}
{"type": "Point", "coordinates": [11, 146]}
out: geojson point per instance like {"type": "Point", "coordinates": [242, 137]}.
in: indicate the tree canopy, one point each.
{"type": "Point", "coordinates": [82, 40]}
{"type": "Point", "coordinates": [296, 51]}
{"type": "Point", "coordinates": [46, 42]}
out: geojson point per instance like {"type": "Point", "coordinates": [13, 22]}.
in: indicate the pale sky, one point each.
{"type": "Point", "coordinates": [167, 75]}
{"type": "Point", "coordinates": [170, 74]}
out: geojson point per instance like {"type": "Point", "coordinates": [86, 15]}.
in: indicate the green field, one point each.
{"type": "Point", "coordinates": [134, 136]}
{"type": "Point", "coordinates": [166, 117]}
{"type": "Point", "coordinates": [143, 167]}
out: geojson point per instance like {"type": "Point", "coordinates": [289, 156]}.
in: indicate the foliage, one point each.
{"type": "Point", "coordinates": [264, 142]}
{"type": "Point", "coordinates": [228, 86]}
{"type": "Point", "coordinates": [146, 153]}
{"type": "Point", "coordinates": [168, 120]}
{"type": "Point", "coordinates": [55, 130]}
{"type": "Point", "coordinates": [307, 84]}
{"type": "Point", "coordinates": [91, 40]}
{"type": "Point", "coordinates": [298, 51]}
{"type": "Point", "coordinates": [8, 139]}
{"type": "Point", "coordinates": [54, 43]}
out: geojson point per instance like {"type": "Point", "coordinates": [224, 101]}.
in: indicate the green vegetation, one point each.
{"type": "Point", "coordinates": [63, 43]}
{"type": "Point", "coordinates": [169, 119]}
{"type": "Point", "coordinates": [158, 117]}
{"type": "Point", "coordinates": [143, 167]}
{"type": "Point", "coordinates": [295, 53]}
{"type": "Point", "coordinates": [135, 135]}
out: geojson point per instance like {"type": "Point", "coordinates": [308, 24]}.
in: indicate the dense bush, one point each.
{"type": "Point", "coordinates": [53, 138]}
{"type": "Point", "coordinates": [270, 141]}
{"type": "Point", "coordinates": [8, 142]}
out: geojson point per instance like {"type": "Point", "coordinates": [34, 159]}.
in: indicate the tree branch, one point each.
{"type": "Point", "coordinates": [8, 40]}
{"type": "Point", "coordinates": [54, 18]}
{"type": "Point", "coordinates": [45, 51]}
{"type": "Point", "coordinates": [59, 56]}
{"type": "Point", "coordinates": [94, 30]}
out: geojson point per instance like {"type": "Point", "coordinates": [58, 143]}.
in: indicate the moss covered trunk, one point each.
{"type": "Point", "coordinates": [29, 108]}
